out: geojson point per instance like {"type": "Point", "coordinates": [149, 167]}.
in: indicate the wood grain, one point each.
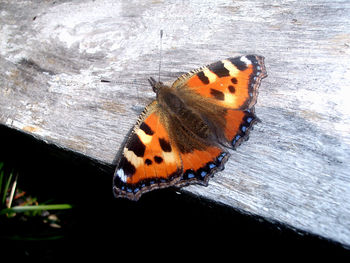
{"type": "Point", "coordinates": [295, 167]}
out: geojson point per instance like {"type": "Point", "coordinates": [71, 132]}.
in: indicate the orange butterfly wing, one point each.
{"type": "Point", "coordinates": [149, 159]}
{"type": "Point", "coordinates": [231, 83]}
{"type": "Point", "coordinates": [162, 152]}
{"type": "Point", "coordinates": [200, 165]}
{"type": "Point", "coordinates": [238, 126]}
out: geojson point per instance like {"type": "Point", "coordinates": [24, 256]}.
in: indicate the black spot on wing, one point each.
{"type": "Point", "coordinates": [238, 63]}
{"type": "Point", "coordinates": [148, 162]}
{"type": "Point", "coordinates": [217, 94]}
{"type": "Point", "coordinates": [234, 80]}
{"type": "Point", "coordinates": [158, 159]}
{"type": "Point", "coordinates": [136, 145]}
{"type": "Point", "coordinates": [165, 145]}
{"type": "Point", "coordinates": [146, 129]}
{"type": "Point", "coordinates": [203, 77]}
{"type": "Point", "coordinates": [231, 89]}
{"type": "Point", "coordinates": [218, 69]}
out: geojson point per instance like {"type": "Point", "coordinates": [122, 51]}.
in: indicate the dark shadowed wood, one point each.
{"type": "Point", "coordinates": [295, 167]}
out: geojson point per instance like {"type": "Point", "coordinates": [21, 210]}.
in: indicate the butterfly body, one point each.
{"type": "Point", "coordinates": [180, 138]}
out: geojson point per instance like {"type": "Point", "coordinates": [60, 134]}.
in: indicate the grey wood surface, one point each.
{"type": "Point", "coordinates": [295, 167]}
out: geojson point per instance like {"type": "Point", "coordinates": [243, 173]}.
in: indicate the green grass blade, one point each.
{"type": "Point", "coordinates": [21, 209]}
{"type": "Point", "coordinates": [7, 185]}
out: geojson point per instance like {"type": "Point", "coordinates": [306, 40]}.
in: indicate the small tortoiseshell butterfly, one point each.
{"type": "Point", "coordinates": [179, 137]}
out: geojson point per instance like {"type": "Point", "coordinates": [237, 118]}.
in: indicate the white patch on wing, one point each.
{"type": "Point", "coordinates": [245, 60]}
{"type": "Point", "coordinates": [122, 175]}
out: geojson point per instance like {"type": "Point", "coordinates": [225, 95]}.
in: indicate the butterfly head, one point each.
{"type": "Point", "coordinates": [156, 85]}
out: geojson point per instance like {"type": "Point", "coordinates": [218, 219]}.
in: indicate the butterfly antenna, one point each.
{"type": "Point", "coordinates": [160, 52]}
{"type": "Point", "coordinates": [113, 82]}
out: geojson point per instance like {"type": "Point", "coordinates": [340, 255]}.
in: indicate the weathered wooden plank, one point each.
{"type": "Point", "coordinates": [295, 167]}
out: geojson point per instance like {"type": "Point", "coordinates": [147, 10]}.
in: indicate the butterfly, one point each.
{"type": "Point", "coordinates": [182, 136]}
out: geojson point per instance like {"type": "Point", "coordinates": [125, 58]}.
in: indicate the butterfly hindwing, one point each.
{"type": "Point", "coordinates": [231, 83]}
{"type": "Point", "coordinates": [200, 165]}
{"type": "Point", "coordinates": [238, 126]}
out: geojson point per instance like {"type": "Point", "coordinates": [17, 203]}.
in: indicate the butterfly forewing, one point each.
{"type": "Point", "coordinates": [232, 83]}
